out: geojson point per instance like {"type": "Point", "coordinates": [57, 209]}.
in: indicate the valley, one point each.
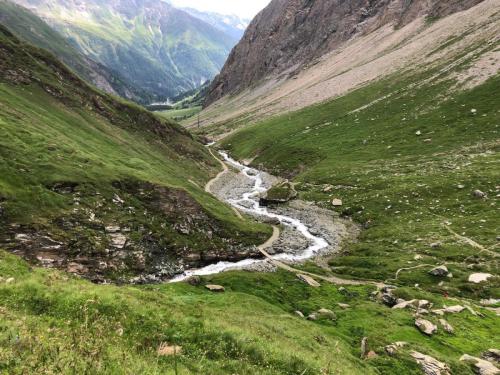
{"type": "Point", "coordinates": [326, 205]}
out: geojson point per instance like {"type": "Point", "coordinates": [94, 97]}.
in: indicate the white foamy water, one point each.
{"type": "Point", "coordinates": [315, 243]}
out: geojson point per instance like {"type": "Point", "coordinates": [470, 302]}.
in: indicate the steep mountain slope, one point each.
{"type": "Point", "coordinates": [100, 187]}
{"type": "Point", "coordinates": [230, 24]}
{"type": "Point", "coordinates": [290, 33]}
{"type": "Point", "coordinates": [160, 49]}
{"type": "Point", "coordinates": [28, 26]}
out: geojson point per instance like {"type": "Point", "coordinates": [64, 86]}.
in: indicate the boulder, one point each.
{"type": "Point", "coordinates": [479, 277]}
{"type": "Point", "coordinates": [336, 202]}
{"type": "Point", "coordinates": [312, 317]}
{"type": "Point", "coordinates": [118, 240]}
{"type": "Point", "coordinates": [446, 326]}
{"type": "Point", "coordinates": [454, 309]}
{"type": "Point", "coordinates": [388, 299]}
{"type": "Point", "coordinates": [440, 271]}
{"type": "Point", "coordinates": [429, 365]}
{"type": "Point", "coordinates": [479, 194]}
{"type": "Point", "coordinates": [194, 280]}
{"type": "Point", "coordinates": [393, 348]}
{"type": "Point", "coordinates": [166, 350]}
{"type": "Point", "coordinates": [364, 347]}
{"type": "Point", "coordinates": [308, 280]}
{"type": "Point", "coordinates": [215, 288]}
{"type": "Point", "coordinates": [492, 355]}
{"type": "Point", "coordinates": [480, 366]}
{"type": "Point", "coordinates": [424, 304]}
{"type": "Point", "coordinates": [299, 314]}
{"type": "Point", "coordinates": [343, 305]}
{"type": "Point", "coordinates": [405, 304]}
{"type": "Point", "coordinates": [112, 229]}
{"type": "Point", "coordinates": [280, 193]}
{"type": "Point", "coordinates": [426, 327]}
{"type": "Point", "coordinates": [327, 314]}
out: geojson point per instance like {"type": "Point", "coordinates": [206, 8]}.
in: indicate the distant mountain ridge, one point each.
{"type": "Point", "coordinates": [26, 25]}
{"type": "Point", "coordinates": [228, 23]}
{"type": "Point", "coordinates": [160, 49]}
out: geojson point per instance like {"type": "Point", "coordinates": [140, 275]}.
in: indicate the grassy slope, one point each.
{"type": "Point", "coordinates": [180, 114]}
{"type": "Point", "coordinates": [85, 137]}
{"type": "Point", "coordinates": [55, 323]}
{"type": "Point", "coordinates": [400, 185]}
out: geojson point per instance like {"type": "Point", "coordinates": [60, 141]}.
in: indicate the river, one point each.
{"type": "Point", "coordinates": [315, 243]}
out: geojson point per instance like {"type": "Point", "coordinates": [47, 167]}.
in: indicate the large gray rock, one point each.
{"type": "Point", "coordinates": [215, 288]}
{"type": "Point", "coordinates": [440, 271]}
{"type": "Point", "coordinates": [393, 348]}
{"type": "Point", "coordinates": [426, 326]}
{"type": "Point", "coordinates": [492, 355]}
{"type": "Point", "coordinates": [480, 366]}
{"type": "Point", "coordinates": [479, 277]}
{"type": "Point", "coordinates": [406, 304]}
{"type": "Point", "coordinates": [430, 365]}
{"type": "Point", "coordinates": [446, 326]}
{"type": "Point", "coordinates": [327, 314]}
{"type": "Point", "coordinates": [388, 299]}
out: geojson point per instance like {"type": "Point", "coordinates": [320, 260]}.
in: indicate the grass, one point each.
{"type": "Point", "coordinates": [52, 322]}
{"type": "Point", "coordinates": [180, 114]}
{"type": "Point", "coordinates": [56, 129]}
{"type": "Point", "coordinates": [59, 130]}
{"type": "Point", "coordinates": [405, 168]}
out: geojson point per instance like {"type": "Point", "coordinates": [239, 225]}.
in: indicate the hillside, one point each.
{"type": "Point", "coordinates": [99, 187]}
{"type": "Point", "coordinates": [424, 43]}
{"type": "Point", "coordinates": [289, 34]}
{"type": "Point", "coordinates": [393, 135]}
{"type": "Point", "coordinates": [31, 28]}
{"type": "Point", "coordinates": [158, 48]}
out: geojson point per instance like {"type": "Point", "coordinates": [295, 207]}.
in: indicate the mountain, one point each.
{"type": "Point", "coordinates": [31, 28]}
{"type": "Point", "coordinates": [158, 48]}
{"type": "Point", "coordinates": [288, 34]}
{"type": "Point", "coordinates": [98, 186]}
{"type": "Point", "coordinates": [230, 24]}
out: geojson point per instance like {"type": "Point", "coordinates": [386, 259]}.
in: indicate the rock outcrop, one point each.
{"type": "Point", "coordinates": [290, 34]}
{"type": "Point", "coordinates": [430, 365]}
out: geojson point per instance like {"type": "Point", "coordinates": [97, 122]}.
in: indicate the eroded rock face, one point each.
{"type": "Point", "coordinates": [290, 34]}
{"type": "Point", "coordinates": [141, 233]}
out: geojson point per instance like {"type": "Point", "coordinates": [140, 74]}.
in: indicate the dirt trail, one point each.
{"type": "Point", "coordinates": [271, 240]}
{"type": "Point", "coordinates": [209, 184]}
{"type": "Point", "coordinates": [330, 279]}
{"type": "Point", "coordinates": [471, 242]}
{"type": "Point", "coordinates": [219, 175]}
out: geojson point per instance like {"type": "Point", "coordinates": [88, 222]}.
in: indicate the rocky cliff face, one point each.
{"type": "Point", "coordinates": [289, 34]}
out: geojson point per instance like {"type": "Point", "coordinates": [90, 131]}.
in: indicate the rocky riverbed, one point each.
{"type": "Point", "coordinates": [306, 230]}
